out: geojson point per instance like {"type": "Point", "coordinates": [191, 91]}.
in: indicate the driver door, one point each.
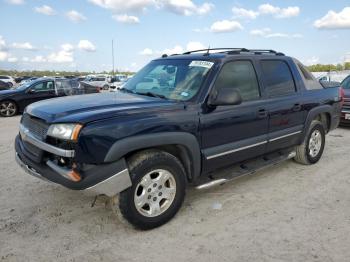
{"type": "Point", "coordinates": [231, 134]}
{"type": "Point", "coordinates": [40, 91]}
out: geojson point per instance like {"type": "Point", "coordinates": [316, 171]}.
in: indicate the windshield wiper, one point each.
{"type": "Point", "coordinates": [151, 94]}
{"type": "Point", "coordinates": [123, 89]}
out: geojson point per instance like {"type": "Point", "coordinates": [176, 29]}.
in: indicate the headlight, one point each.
{"type": "Point", "coordinates": [65, 131]}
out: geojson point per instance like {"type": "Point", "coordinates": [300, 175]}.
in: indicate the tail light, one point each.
{"type": "Point", "coordinates": [341, 95]}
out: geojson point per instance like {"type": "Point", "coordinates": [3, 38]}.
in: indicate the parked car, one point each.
{"type": "Point", "coordinates": [345, 119]}
{"type": "Point", "coordinates": [99, 81]}
{"type": "Point", "coordinates": [8, 79]}
{"type": "Point", "coordinates": [251, 108]}
{"type": "Point", "coordinates": [4, 85]}
{"type": "Point", "coordinates": [27, 80]}
{"type": "Point", "coordinates": [116, 83]}
{"type": "Point", "coordinates": [15, 100]}
{"type": "Point", "coordinates": [21, 78]}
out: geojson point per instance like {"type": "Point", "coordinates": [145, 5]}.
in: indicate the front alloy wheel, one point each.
{"type": "Point", "coordinates": [158, 189]}
{"type": "Point", "coordinates": [155, 193]}
{"type": "Point", "coordinates": [8, 109]}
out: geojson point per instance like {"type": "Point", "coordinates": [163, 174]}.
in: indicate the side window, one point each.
{"type": "Point", "coordinates": [278, 78]}
{"type": "Point", "coordinates": [346, 83]}
{"type": "Point", "coordinates": [44, 86]}
{"type": "Point", "coordinates": [239, 75]}
{"type": "Point", "coordinates": [307, 75]}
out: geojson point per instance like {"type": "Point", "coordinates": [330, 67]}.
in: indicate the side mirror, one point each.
{"type": "Point", "coordinates": [31, 91]}
{"type": "Point", "coordinates": [225, 97]}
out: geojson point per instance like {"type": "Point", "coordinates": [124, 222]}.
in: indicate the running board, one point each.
{"type": "Point", "coordinates": [246, 168]}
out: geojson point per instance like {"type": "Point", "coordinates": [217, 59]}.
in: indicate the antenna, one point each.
{"type": "Point", "coordinates": [207, 53]}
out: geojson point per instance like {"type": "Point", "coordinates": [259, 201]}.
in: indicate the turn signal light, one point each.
{"type": "Point", "coordinates": [74, 176]}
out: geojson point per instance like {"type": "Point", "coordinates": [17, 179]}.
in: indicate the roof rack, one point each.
{"type": "Point", "coordinates": [233, 51]}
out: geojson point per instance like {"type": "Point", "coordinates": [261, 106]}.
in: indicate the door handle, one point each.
{"type": "Point", "coordinates": [296, 107]}
{"type": "Point", "coordinates": [262, 113]}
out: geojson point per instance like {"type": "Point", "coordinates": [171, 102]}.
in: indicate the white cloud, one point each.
{"type": "Point", "coordinates": [3, 55]}
{"type": "Point", "coordinates": [205, 8]}
{"type": "Point", "coordinates": [184, 7]}
{"type": "Point", "coordinates": [75, 16]}
{"type": "Point", "coordinates": [191, 46]}
{"type": "Point", "coordinates": [311, 61]}
{"type": "Point", "coordinates": [181, 7]}
{"type": "Point", "coordinates": [334, 20]}
{"type": "Point", "coordinates": [126, 19]}
{"type": "Point", "coordinates": [25, 59]}
{"type": "Point", "coordinates": [45, 10]}
{"type": "Point", "coordinates": [65, 55]}
{"type": "Point", "coordinates": [24, 46]}
{"type": "Point", "coordinates": [268, 9]}
{"type": "Point", "coordinates": [37, 59]}
{"type": "Point", "coordinates": [15, 2]}
{"type": "Point", "coordinates": [12, 59]}
{"type": "Point", "coordinates": [146, 51]}
{"type": "Point", "coordinates": [267, 33]}
{"type": "Point", "coordinates": [175, 50]}
{"type": "Point", "coordinates": [86, 45]}
{"type": "Point", "coordinates": [244, 13]}
{"type": "Point", "coordinates": [225, 26]}
{"type": "Point", "coordinates": [122, 5]}
{"type": "Point", "coordinates": [3, 45]}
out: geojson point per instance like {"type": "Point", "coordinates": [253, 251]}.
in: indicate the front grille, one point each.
{"type": "Point", "coordinates": [346, 103]}
{"type": "Point", "coordinates": [36, 126]}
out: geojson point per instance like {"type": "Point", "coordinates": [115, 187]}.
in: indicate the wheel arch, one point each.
{"type": "Point", "coordinates": [182, 145]}
{"type": "Point", "coordinates": [322, 113]}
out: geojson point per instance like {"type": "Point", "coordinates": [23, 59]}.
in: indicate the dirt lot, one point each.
{"type": "Point", "coordinates": [286, 213]}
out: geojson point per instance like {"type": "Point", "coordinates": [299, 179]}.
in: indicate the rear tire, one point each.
{"type": "Point", "coordinates": [157, 192]}
{"type": "Point", "coordinates": [311, 150]}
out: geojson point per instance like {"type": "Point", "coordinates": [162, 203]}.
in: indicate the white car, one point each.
{"type": "Point", "coordinates": [8, 79]}
{"type": "Point", "coordinates": [102, 82]}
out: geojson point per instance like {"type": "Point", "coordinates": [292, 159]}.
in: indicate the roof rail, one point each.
{"type": "Point", "coordinates": [234, 51]}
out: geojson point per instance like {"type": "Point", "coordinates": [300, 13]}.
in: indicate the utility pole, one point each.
{"type": "Point", "coordinates": [113, 56]}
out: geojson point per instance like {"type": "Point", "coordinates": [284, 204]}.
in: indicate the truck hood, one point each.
{"type": "Point", "coordinates": [86, 108]}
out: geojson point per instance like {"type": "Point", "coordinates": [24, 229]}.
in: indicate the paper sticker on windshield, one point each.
{"type": "Point", "coordinates": [205, 64]}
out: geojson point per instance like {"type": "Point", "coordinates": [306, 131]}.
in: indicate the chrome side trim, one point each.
{"type": "Point", "coordinates": [236, 150]}
{"type": "Point", "coordinates": [346, 111]}
{"type": "Point", "coordinates": [288, 135]}
{"type": "Point", "coordinates": [29, 170]}
{"type": "Point", "coordinates": [28, 137]}
{"type": "Point", "coordinates": [113, 185]}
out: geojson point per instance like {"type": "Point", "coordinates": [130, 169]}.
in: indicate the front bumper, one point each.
{"type": "Point", "coordinates": [107, 179]}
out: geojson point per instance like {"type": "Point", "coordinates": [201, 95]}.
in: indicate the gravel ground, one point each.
{"type": "Point", "coordinates": [285, 213]}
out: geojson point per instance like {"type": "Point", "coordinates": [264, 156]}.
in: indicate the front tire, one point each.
{"type": "Point", "coordinates": [158, 190]}
{"type": "Point", "coordinates": [8, 109]}
{"type": "Point", "coordinates": [311, 150]}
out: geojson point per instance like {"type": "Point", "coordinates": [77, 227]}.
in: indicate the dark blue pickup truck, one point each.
{"type": "Point", "coordinates": [178, 120]}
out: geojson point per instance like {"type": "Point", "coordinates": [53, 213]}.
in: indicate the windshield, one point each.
{"type": "Point", "coordinates": [170, 79]}
{"type": "Point", "coordinates": [346, 83]}
{"type": "Point", "coordinates": [24, 86]}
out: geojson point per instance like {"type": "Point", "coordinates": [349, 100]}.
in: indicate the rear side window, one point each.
{"type": "Point", "coordinates": [307, 75]}
{"type": "Point", "coordinates": [239, 75]}
{"type": "Point", "coordinates": [278, 78]}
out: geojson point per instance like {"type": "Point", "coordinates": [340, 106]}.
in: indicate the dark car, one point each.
{"type": "Point", "coordinates": [15, 100]}
{"type": "Point", "coordinates": [345, 119]}
{"type": "Point", "coordinates": [205, 111]}
{"type": "Point", "coordinates": [4, 85]}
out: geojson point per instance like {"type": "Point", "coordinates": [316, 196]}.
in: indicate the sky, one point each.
{"type": "Point", "coordinates": [77, 35]}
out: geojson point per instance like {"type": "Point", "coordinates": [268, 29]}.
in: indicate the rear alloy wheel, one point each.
{"type": "Point", "coordinates": [311, 150]}
{"type": "Point", "coordinates": [158, 190]}
{"type": "Point", "coordinates": [8, 109]}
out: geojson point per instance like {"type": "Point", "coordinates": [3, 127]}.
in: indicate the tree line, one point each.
{"type": "Point", "coordinates": [329, 67]}
{"type": "Point", "coordinates": [41, 73]}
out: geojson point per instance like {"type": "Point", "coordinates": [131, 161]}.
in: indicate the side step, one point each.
{"type": "Point", "coordinates": [246, 168]}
